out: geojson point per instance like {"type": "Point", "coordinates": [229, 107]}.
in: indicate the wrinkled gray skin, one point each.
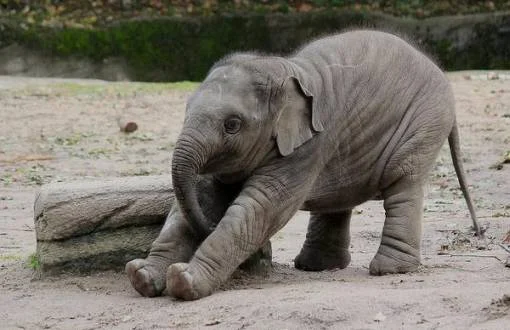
{"type": "Point", "coordinates": [356, 116]}
{"type": "Point", "coordinates": [178, 241]}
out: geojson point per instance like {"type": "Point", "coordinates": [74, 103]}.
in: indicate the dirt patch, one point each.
{"type": "Point", "coordinates": [499, 307]}
{"type": "Point", "coordinates": [57, 130]}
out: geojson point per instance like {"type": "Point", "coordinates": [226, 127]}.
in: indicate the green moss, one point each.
{"type": "Point", "coordinates": [33, 261]}
{"type": "Point", "coordinates": [121, 88]}
{"type": "Point", "coordinates": [182, 85]}
{"type": "Point", "coordinates": [159, 50]}
{"type": "Point", "coordinates": [75, 89]}
{"type": "Point", "coordinates": [111, 88]}
{"type": "Point", "coordinates": [10, 257]}
{"type": "Point", "coordinates": [175, 49]}
{"type": "Point", "coordinates": [484, 51]}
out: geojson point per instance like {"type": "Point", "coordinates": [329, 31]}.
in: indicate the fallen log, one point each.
{"type": "Point", "coordinates": [86, 226]}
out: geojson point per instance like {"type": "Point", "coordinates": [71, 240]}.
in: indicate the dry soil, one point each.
{"type": "Point", "coordinates": [63, 130]}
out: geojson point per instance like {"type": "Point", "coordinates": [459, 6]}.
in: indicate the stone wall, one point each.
{"type": "Point", "coordinates": [173, 49]}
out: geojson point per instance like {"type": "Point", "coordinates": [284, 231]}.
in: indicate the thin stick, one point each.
{"type": "Point", "coordinates": [506, 248]}
{"type": "Point", "coordinates": [29, 158]}
{"type": "Point", "coordinates": [470, 255]}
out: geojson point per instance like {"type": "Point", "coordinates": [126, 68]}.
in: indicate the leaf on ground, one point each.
{"type": "Point", "coordinates": [506, 240]}
{"type": "Point", "coordinates": [506, 158]}
{"type": "Point", "coordinates": [499, 166]}
{"type": "Point", "coordinates": [216, 322]}
{"type": "Point", "coordinates": [379, 317]}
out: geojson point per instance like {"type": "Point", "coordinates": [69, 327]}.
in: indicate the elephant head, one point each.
{"type": "Point", "coordinates": [247, 111]}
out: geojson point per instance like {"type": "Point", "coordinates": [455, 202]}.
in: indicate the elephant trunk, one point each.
{"type": "Point", "coordinates": [188, 159]}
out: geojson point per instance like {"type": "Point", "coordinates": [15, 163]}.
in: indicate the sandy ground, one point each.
{"type": "Point", "coordinates": [59, 130]}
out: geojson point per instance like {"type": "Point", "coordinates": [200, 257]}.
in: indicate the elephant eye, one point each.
{"type": "Point", "coordinates": [232, 125]}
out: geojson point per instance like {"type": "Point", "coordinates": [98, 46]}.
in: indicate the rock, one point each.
{"type": "Point", "coordinates": [88, 226]}
{"type": "Point", "coordinates": [127, 125]}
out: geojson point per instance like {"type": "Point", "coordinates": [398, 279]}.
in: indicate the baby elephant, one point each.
{"type": "Point", "coordinates": [352, 117]}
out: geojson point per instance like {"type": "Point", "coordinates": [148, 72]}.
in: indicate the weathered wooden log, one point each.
{"type": "Point", "coordinates": [95, 225]}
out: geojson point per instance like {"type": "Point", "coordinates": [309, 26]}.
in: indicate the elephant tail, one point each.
{"type": "Point", "coordinates": [454, 142]}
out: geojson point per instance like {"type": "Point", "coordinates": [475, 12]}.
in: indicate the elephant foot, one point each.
{"type": "Point", "coordinates": [259, 263]}
{"type": "Point", "coordinates": [397, 263]}
{"type": "Point", "coordinates": [311, 259]}
{"type": "Point", "coordinates": [181, 283]}
{"type": "Point", "coordinates": [146, 278]}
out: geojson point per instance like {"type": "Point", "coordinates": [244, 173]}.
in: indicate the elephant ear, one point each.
{"type": "Point", "coordinates": [295, 121]}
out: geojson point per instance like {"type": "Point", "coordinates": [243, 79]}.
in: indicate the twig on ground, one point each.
{"type": "Point", "coordinates": [27, 228]}
{"type": "Point", "coordinates": [506, 248]}
{"type": "Point", "coordinates": [469, 255]}
{"type": "Point", "coordinates": [27, 158]}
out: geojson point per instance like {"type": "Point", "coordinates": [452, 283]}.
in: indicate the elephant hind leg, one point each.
{"type": "Point", "coordinates": [399, 251]}
{"type": "Point", "coordinates": [175, 243]}
{"type": "Point", "coordinates": [327, 242]}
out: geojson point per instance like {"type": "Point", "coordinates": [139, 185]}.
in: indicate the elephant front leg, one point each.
{"type": "Point", "coordinates": [175, 243]}
{"type": "Point", "coordinates": [399, 251]}
{"type": "Point", "coordinates": [246, 226]}
{"type": "Point", "coordinates": [327, 242]}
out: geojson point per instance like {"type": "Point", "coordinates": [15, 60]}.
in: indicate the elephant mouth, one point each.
{"type": "Point", "coordinates": [214, 164]}
{"type": "Point", "coordinates": [216, 167]}
{"type": "Point", "coordinates": [224, 169]}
